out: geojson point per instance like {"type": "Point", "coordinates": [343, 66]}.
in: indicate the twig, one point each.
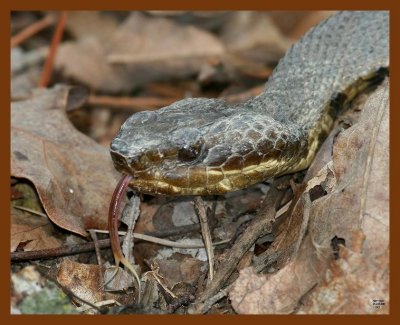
{"type": "Point", "coordinates": [99, 305]}
{"type": "Point", "coordinates": [158, 278]}
{"type": "Point", "coordinates": [206, 305]}
{"type": "Point", "coordinates": [48, 65]}
{"type": "Point", "coordinates": [31, 30]}
{"type": "Point", "coordinates": [201, 212]}
{"type": "Point", "coordinates": [134, 104]}
{"type": "Point", "coordinates": [104, 243]}
{"type": "Point", "coordinates": [165, 242]}
{"type": "Point", "coordinates": [30, 210]}
{"type": "Point", "coordinates": [97, 250]}
{"type": "Point", "coordinates": [58, 252]}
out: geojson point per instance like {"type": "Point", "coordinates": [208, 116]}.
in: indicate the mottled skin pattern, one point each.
{"type": "Point", "coordinates": [205, 146]}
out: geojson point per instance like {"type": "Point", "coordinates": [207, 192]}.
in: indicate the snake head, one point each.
{"type": "Point", "coordinates": [164, 150]}
{"type": "Point", "coordinates": [201, 146]}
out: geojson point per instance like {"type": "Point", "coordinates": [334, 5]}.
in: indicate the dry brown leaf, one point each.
{"type": "Point", "coordinates": [85, 282]}
{"type": "Point", "coordinates": [180, 268]}
{"type": "Point", "coordinates": [140, 51]}
{"type": "Point", "coordinates": [32, 231]}
{"type": "Point", "coordinates": [73, 175]}
{"type": "Point", "coordinates": [355, 209]}
{"type": "Point", "coordinates": [100, 25]}
{"type": "Point", "coordinates": [354, 284]}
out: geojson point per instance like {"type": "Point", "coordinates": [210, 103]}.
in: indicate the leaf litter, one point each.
{"type": "Point", "coordinates": [354, 209]}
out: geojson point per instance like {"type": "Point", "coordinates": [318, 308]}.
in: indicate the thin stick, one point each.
{"type": "Point", "coordinates": [165, 242]}
{"type": "Point", "coordinates": [206, 306]}
{"type": "Point", "coordinates": [201, 212]}
{"type": "Point", "coordinates": [48, 65]}
{"type": "Point", "coordinates": [38, 213]}
{"type": "Point", "coordinates": [104, 243]}
{"type": "Point", "coordinates": [58, 252]}
{"type": "Point", "coordinates": [31, 30]}
{"type": "Point", "coordinates": [97, 250]}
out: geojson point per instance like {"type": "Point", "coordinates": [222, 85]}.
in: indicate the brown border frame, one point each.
{"type": "Point", "coordinates": [7, 6]}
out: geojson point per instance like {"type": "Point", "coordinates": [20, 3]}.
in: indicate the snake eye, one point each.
{"type": "Point", "coordinates": [188, 153]}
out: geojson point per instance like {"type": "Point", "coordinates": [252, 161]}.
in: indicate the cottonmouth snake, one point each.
{"type": "Point", "coordinates": [204, 146]}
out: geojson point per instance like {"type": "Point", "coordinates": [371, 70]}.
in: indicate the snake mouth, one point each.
{"type": "Point", "coordinates": [155, 176]}
{"type": "Point", "coordinates": [205, 180]}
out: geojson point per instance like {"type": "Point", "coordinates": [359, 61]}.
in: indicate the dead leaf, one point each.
{"type": "Point", "coordinates": [354, 284]}
{"type": "Point", "coordinates": [354, 209]}
{"type": "Point", "coordinates": [82, 24]}
{"type": "Point", "coordinates": [141, 50]}
{"type": "Point", "coordinates": [84, 281]}
{"type": "Point", "coordinates": [73, 175]}
{"type": "Point", "coordinates": [32, 231]}
{"type": "Point", "coordinates": [180, 268]}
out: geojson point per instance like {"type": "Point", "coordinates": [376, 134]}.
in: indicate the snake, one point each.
{"type": "Point", "coordinates": [202, 146]}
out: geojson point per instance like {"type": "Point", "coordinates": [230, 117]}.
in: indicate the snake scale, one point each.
{"type": "Point", "coordinates": [201, 146]}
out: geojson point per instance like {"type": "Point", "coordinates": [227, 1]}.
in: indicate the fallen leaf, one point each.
{"type": "Point", "coordinates": [180, 268]}
{"type": "Point", "coordinates": [82, 24]}
{"type": "Point", "coordinates": [354, 284]}
{"type": "Point", "coordinates": [85, 282]}
{"type": "Point", "coordinates": [73, 175]}
{"type": "Point", "coordinates": [32, 231]}
{"type": "Point", "coordinates": [141, 50]}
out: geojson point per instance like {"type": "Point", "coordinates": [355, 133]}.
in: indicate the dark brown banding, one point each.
{"type": "Point", "coordinates": [197, 176]}
{"type": "Point", "coordinates": [233, 163]}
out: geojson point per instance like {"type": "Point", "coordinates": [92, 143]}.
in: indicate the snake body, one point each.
{"type": "Point", "coordinates": [204, 146]}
